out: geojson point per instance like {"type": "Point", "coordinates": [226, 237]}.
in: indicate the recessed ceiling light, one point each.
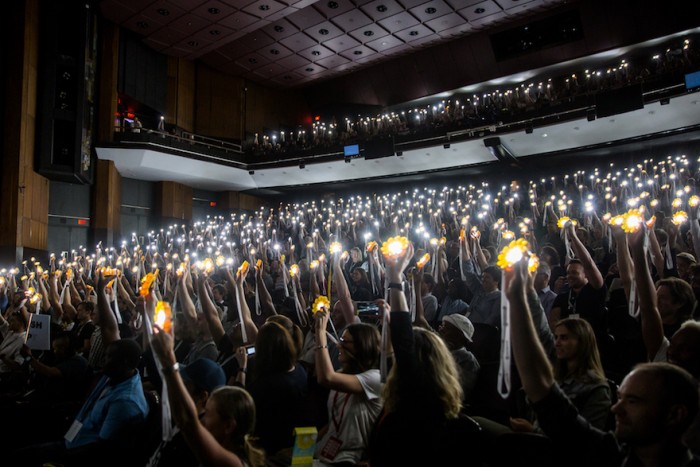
{"type": "Point", "coordinates": [252, 60]}
{"type": "Point", "coordinates": [430, 10]}
{"type": "Point", "coordinates": [193, 43]}
{"type": "Point", "coordinates": [479, 11]}
{"type": "Point", "coordinates": [214, 32]}
{"type": "Point", "coordinates": [274, 51]}
{"type": "Point", "coordinates": [287, 77]}
{"type": "Point", "coordinates": [368, 33]}
{"type": "Point", "coordinates": [279, 28]}
{"type": "Point", "coordinates": [413, 33]}
{"type": "Point", "coordinates": [309, 69]}
{"type": "Point", "coordinates": [381, 8]}
{"type": "Point", "coordinates": [214, 11]}
{"type": "Point", "coordinates": [264, 7]}
{"type": "Point", "coordinates": [163, 12]}
{"type": "Point", "coordinates": [142, 24]}
{"type": "Point", "coordinates": [323, 32]}
{"type": "Point", "coordinates": [358, 52]}
{"type": "Point", "coordinates": [315, 52]}
{"type": "Point", "coordinates": [332, 5]}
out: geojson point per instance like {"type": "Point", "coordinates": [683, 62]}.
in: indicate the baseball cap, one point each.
{"type": "Point", "coordinates": [462, 323]}
{"type": "Point", "coordinates": [687, 256]}
{"type": "Point", "coordinates": [206, 374]}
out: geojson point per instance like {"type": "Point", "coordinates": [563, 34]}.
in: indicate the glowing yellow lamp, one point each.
{"type": "Point", "coordinates": [679, 217]}
{"type": "Point", "coordinates": [163, 316]}
{"type": "Point", "coordinates": [147, 282]}
{"type": "Point", "coordinates": [321, 304]}
{"type": "Point", "coordinates": [395, 247]}
{"type": "Point", "coordinates": [513, 253]}
{"type": "Point", "coordinates": [423, 261]}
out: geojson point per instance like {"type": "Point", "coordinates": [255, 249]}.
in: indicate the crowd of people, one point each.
{"type": "Point", "coordinates": [548, 322]}
{"type": "Point", "coordinates": [483, 108]}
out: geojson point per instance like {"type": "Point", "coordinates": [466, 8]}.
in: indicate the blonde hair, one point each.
{"type": "Point", "coordinates": [436, 384]}
{"type": "Point", "coordinates": [236, 403]}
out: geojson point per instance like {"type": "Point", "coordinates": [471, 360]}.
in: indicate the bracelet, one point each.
{"type": "Point", "coordinates": [168, 370]}
{"type": "Point", "coordinates": [243, 370]}
{"type": "Point", "coordinates": [395, 285]}
{"type": "Point", "coordinates": [321, 347]}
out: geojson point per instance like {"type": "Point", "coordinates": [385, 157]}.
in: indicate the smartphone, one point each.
{"type": "Point", "coordinates": [250, 350]}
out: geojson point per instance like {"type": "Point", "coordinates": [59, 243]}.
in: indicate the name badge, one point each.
{"type": "Point", "coordinates": [73, 431]}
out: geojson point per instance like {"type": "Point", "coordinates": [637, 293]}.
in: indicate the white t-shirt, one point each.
{"type": "Point", "coordinates": [351, 418]}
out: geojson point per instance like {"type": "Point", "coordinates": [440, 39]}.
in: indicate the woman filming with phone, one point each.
{"type": "Point", "coordinates": [354, 402]}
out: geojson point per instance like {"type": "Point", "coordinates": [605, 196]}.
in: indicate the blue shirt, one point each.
{"type": "Point", "coordinates": [111, 411]}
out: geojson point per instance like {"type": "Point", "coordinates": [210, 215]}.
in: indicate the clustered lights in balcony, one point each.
{"type": "Point", "coordinates": [524, 92]}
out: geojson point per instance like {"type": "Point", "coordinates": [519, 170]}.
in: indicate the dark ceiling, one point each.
{"type": "Point", "coordinates": [294, 42]}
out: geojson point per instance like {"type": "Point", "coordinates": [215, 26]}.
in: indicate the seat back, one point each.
{"type": "Point", "coordinates": [486, 343]}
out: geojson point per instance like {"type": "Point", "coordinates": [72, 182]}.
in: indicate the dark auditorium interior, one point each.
{"type": "Point", "coordinates": [475, 224]}
{"type": "Point", "coordinates": [238, 100]}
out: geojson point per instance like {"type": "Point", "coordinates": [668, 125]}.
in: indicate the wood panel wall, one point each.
{"type": "Point", "coordinates": [232, 201]}
{"type": "Point", "coordinates": [228, 107]}
{"type": "Point", "coordinates": [107, 84]}
{"type": "Point", "coordinates": [180, 94]}
{"type": "Point", "coordinates": [106, 203]}
{"type": "Point", "coordinates": [173, 201]}
{"type": "Point", "coordinates": [24, 206]}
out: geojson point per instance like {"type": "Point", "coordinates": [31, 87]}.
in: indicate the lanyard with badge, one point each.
{"type": "Point", "coordinates": [334, 444]}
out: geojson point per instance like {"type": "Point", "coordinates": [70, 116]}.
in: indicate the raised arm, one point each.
{"type": "Point", "coordinates": [325, 374]}
{"type": "Point", "coordinates": [203, 444]}
{"type": "Point", "coordinates": [530, 358]}
{"type": "Point", "coordinates": [419, 320]}
{"type": "Point", "coordinates": [652, 326]}
{"type": "Point", "coordinates": [343, 291]}
{"type": "Point", "coordinates": [54, 298]}
{"type": "Point", "coordinates": [45, 303]}
{"type": "Point", "coordinates": [210, 311]}
{"type": "Point", "coordinates": [185, 300]}
{"type": "Point", "coordinates": [624, 260]}
{"type": "Point", "coordinates": [266, 303]}
{"type": "Point", "coordinates": [595, 278]}
{"type": "Point", "coordinates": [239, 283]}
{"type": "Point", "coordinates": [105, 317]}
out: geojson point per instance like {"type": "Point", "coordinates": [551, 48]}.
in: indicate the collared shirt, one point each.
{"type": "Point", "coordinates": [547, 297]}
{"type": "Point", "coordinates": [110, 411]}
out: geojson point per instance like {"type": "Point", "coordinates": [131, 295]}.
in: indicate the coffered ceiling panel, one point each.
{"type": "Point", "coordinates": [277, 42]}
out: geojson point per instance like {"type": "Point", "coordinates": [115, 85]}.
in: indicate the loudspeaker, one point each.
{"type": "Point", "coordinates": [500, 152]}
{"type": "Point", "coordinates": [619, 101]}
{"type": "Point", "coordinates": [66, 97]}
{"type": "Point", "coordinates": [382, 147]}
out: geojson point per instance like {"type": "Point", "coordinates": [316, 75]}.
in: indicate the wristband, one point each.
{"type": "Point", "coordinates": [171, 369]}
{"type": "Point", "coordinates": [321, 347]}
{"type": "Point", "coordinates": [396, 285]}
{"type": "Point", "coordinates": [243, 370]}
